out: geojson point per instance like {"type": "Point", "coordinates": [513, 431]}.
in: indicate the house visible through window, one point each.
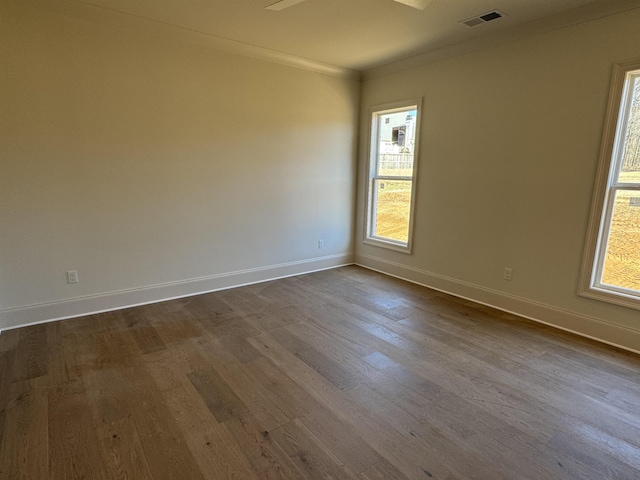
{"type": "Point", "coordinates": [392, 168]}
{"type": "Point", "coordinates": [397, 135]}
{"type": "Point", "coordinates": [613, 256]}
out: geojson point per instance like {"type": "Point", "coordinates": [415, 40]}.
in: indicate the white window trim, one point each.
{"type": "Point", "coordinates": [604, 190]}
{"type": "Point", "coordinates": [372, 153]}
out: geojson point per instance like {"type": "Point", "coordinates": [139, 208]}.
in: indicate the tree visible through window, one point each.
{"type": "Point", "coordinates": [391, 175]}
{"type": "Point", "coordinates": [615, 268]}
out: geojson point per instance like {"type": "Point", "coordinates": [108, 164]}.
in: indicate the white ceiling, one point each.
{"type": "Point", "coordinates": [354, 34]}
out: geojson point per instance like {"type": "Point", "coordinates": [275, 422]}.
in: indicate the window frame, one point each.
{"type": "Point", "coordinates": [375, 113]}
{"type": "Point", "coordinates": [606, 186]}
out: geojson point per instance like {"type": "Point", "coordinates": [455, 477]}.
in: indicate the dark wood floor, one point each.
{"type": "Point", "coordinates": [342, 374]}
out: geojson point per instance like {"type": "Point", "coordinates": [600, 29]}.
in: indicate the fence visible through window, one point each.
{"type": "Point", "coordinates": [396, 164]}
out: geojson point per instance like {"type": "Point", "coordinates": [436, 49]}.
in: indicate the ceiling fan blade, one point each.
{"type": "Point", "coordinates": [282, 4]}
{"type": "Point", "coordinates": [419, 4]}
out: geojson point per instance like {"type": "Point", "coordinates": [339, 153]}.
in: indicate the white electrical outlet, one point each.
{"type": "Point", "coordinates": [320, 244]}
{"type": "Point", "coordinates": [72, 276]}
{"type": "Point", "coordinates": [508, 273]}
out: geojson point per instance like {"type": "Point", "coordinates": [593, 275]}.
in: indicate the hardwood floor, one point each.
{"type": "Point", "coordinates": [341, 374]}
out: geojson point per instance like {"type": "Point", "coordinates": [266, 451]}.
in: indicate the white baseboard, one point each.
{"type": "Point", "coordinates": [80, 306]}
{"type": "Point", "coordinates": [593, 328]}
{"type": "Point", "coordinates": [585, 326]}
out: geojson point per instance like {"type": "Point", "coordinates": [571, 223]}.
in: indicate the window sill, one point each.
{"type": "Point", "coordinates": [612, 296]}
{"type": "Point", "coordinates": [388, 244]}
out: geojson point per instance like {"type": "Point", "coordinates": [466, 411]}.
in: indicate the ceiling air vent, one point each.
{"type": "Point", "coordinates": [484, 18]}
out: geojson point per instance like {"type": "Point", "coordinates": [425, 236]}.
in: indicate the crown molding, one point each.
{"type": "Point", "coordinates": [87, 11]}
{"type": "Point", "coordinates": [576, 16]}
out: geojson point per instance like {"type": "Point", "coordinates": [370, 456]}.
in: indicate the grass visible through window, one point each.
{"type": "Point", "coordinates": [394, 207]}
{"type": "Point", "coordinates": [622, 262]}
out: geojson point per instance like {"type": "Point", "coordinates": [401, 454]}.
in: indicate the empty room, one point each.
{"type": "Point", "coordinates": [320, 239]}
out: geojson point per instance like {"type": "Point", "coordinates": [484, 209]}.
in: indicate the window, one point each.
{"type": "Point", "coordinates": [612, 260]}
{"type": "Point", "coordinates": [391, 175]}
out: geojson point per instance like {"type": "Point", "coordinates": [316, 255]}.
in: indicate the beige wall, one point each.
{"type": "Point", "coordinates": [141, 161]}
{"type": "Point", "coordinates": [509, 146]}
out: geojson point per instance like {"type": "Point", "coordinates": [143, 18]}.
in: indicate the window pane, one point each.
{"type": "Point", "coordinates": [396, 143]}
{"type": "Point", "coordinates": [392, 209]}
{"type": "Point", "coordinates": [391, 175]}
{"type": "Point", "coordinates": [622, 260]}
{"type": "Point", "coordinates": [630, 172]}
{"type": "Point", "coordinates": [614, 243]}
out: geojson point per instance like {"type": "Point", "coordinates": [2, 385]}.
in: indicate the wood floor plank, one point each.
{"type": "Point", "coordinates": [411, 458]}
{"type": "Point", "coordinates": [8, 344]}
{"type": "Point", "coordinates": [209, 306]}
{"type": "Point", "coordinates": [290, 397]}
{"type": "Point", "coordinates": [239, 347]}
{"type": "Point", "coordinates": [384, 471]}
{"type": "Point", "coordinates": [334, 327]}
{"type": "Point", "coordinates": [267, 459]}
{"type": "Point", "coordinates": [9, 339]}
{"type": "Point", "coordinates": [69, 353]}
{"type": "Point", "coordinates": [147, 339]}
{"type": "Point", "coordinates": [25, 453]}
{"type": "Point", "coordinates": [272, 317]}
{"type": "Point", "coordinates": [115, 348]}
{"type": "Point", "coordinates": [346, 444]}
{"type": "Point", "coordinates": [373, 302]}
{"type": "Point", "coordinates": [251, 394]}
{"type": "Point", "coordinates": [308, 454]}
{"type": "Point", "coordinates": [489, 348]}
{"type": "Point", "coordinates": [56, 354]}
{"type": "Point", "coordinates": [165, 448]}
{"type": "Point", "coordinates": [31, 353]}
{"type": "Point", "coordinates": [330, 369]}
{"type": "Point", "coordinates": [489, 360]}
{"type": "Point", "coordinates": [217, 395]}
{"type": "Point", "coordinates": [73, 442]}
{"type": "Point", "coordinates": [485, 379]}
{"type": "Point", "coordinates": [230, 324]}
{"type": "Point", "coordinates": [212, 445]}
{"type": "Point", "coordinates": [344, 373]}
{"type": "Point", "coordinates": [121, 450]}
{"type": "Point", "coordinates": [535, 355]}
{"type": "Point", "coordinates": [558, 390]}
{"type": "Point", "coordinates": [522, 405]}
{"type": "Point", "coordinates": [343, 439]}
{"type": "Point", "coordinates": [109, 394]}
{"type": "Point", "coordinates": [142, 331]}
{"type": "Point", "coordinates": [173, 322]}
{"type": "Point", "coordinates": [431, 438]}
{"type": "Point", "coordinates": [600, 461]}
